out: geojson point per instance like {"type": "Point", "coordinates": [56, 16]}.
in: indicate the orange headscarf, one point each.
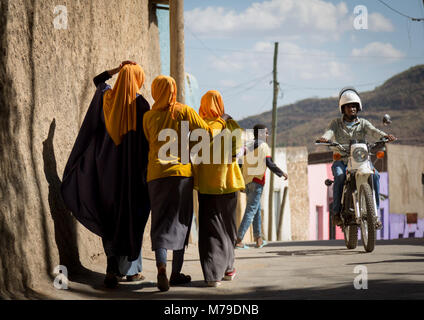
{"type": "Point", "coordinates": [119, 104]}
{"type": "Point", "coordinates": [164, 92]}
{"type": "Point", "coordinates": [211, 105]}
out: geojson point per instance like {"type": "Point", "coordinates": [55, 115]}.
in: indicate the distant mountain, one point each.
{"type": "Point", "coordinates": [402, 96]}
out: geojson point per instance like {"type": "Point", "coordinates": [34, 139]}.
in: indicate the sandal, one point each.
{"type": "Point", "coordinates": [230, 275]}
{"type": "Point", "coordinates": [241, 245]}
{"type": "Point", "coordinates": [136, 277]}
{"type": "Point", "coordinates": [260, 243]}
{"type": "Point", "coordinates": [213, 283]}
{"type": "Point", "coordinates": [179, 278]}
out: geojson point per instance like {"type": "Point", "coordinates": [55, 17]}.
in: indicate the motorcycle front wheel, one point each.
{"type": "Point", "coordinates": [351, 236]}
{"type": "Point", "coordinates": [366, 207]}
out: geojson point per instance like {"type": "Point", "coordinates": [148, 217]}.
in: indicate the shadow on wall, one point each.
{"type": "Point", "coordinates": [64, 222]}
{"type": "Point", "coordinates": [12, 190]}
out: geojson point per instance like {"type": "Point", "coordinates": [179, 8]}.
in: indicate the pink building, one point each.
{"type": "Point", "coordinates": [319, 195]}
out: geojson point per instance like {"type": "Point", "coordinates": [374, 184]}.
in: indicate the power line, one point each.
{"type": "Point", "coordinates": [237, 93]}
{"type": "Point", "coordinates": [421, 5]}
{"type": "Point", "coordinates": [242, 87]}
{"type": "Point", "coordinates": [402, 14]}
{"type": "Point", "coordinates": [312, 55]}
{"type": "Point", "coordinates": [229, 87]}
{"type": "Point", "coordinates": [256, 80]}
{"type": "Point", "coordinates": [264, 104]}
{"type": "Point", "coordinates": [296, 87]}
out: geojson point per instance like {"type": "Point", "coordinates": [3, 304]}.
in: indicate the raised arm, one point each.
{"type": "Point", "coordinates": [101, 78]}
{"type": "Point", "coordinates": [106, 75]}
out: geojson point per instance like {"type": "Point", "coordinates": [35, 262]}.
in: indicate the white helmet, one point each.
{"type": "Point", "coordinates": [349, 95]}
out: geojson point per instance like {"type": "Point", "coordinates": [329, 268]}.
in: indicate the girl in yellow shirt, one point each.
{"type": "Point", "coordinates": [170, 181]}
{"type": "Point", "coordinates": [218, 185]}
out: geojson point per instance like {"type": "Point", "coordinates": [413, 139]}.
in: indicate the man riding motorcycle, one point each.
{"type": "Point", "coordinates": [342, 130]}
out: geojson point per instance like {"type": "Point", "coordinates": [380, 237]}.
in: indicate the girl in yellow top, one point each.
{"type": "Point", "coordinates": [218, 186]}
{"type": "Point", "coordinates": [170, 182]}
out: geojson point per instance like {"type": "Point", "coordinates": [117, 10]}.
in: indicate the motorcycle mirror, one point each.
{"type": "Point", "coordinates": [387, 120]}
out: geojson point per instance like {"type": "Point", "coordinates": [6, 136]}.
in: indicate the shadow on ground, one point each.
{"type": "Point", "coordinates": [340, 243]}
{"type": "Point", "coordinates": [377, 289]}
{"type": "Point", "coordinates": [89, 285]}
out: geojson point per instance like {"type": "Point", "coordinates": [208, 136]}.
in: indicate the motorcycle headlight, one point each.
{"type": "Point", "coordinates": [360, 155]}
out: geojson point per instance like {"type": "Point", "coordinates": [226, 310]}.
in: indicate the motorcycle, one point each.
{"type": "Point", "coordinates": [359, 208]}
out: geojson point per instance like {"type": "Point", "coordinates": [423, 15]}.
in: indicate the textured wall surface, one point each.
{"type": "Point", "coordinates": [284, 228]}
{"type": "Point", "coordinates": [297, 169]}
{"type": "Point", "coordinates": [295, 215]}
{"type": "Point", "coordinates": [406, 189]}
{"type": "Point", "coordinates": [45, 89]}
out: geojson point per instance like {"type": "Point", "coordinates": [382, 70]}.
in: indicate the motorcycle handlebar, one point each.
{"type": "Point", "coordinates": [331, 144]}
{"type": "Point", "coordinates": [380, 142]}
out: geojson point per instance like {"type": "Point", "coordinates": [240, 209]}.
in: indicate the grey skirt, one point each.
{"type": "Point", "coordinates": [217, 234]}
{"type": "Point", "coordinates": [171, 201]}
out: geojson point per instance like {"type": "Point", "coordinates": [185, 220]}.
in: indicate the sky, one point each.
{"type": "Point", "coordinates": [323, 46]}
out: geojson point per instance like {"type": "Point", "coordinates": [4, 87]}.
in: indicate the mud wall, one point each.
{"type": "Point", "coordinates": [45, 88]}
{"type": "Point", "coordinates": [406, 185]}
{"type": "Point", "coordinates": [297, 169]}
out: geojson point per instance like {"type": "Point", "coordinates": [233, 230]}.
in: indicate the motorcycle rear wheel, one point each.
{"type": "Point", "coordinates": [366, 207]}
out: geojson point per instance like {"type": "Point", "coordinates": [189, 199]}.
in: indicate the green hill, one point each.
{"type": "Point", "coordinates": [401, 96]}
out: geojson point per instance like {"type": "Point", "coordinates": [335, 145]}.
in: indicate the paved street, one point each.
{"type": "Point", "coordinates": [282, 270]}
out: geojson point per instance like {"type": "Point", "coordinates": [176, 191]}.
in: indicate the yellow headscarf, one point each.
{"type": "Point", "coordinates": [164, 92]}
{"type": "Point", "coordinates": [212, 106]}
{"type": "Point", "coordinates": [119, 104]}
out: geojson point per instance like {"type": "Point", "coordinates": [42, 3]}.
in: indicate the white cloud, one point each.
{"type": "Point", "coordinates": [228, 83]}
{"type": "Point", "coordinates": [294, 61]}
{"type": "Point", "coordinates": [289, 16]}
{"type": "Point", "coordinates": [263, 46]}
{"type": "Point", "coordinates": [307, 64]}
{"type": "Point", "coordinates": [378, 23]}
{"type": "Point", "coordinates": [378, 49]}
{"type": "Point", "coordinates": [227, 63]}
{"type": "Point", "coordinates": [316, 19]}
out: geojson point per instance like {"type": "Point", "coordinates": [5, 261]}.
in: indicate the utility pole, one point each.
{"type": "Point", "coordinates": [176, 24]}
{"type": "Point", "coordinates": [273, 145]}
